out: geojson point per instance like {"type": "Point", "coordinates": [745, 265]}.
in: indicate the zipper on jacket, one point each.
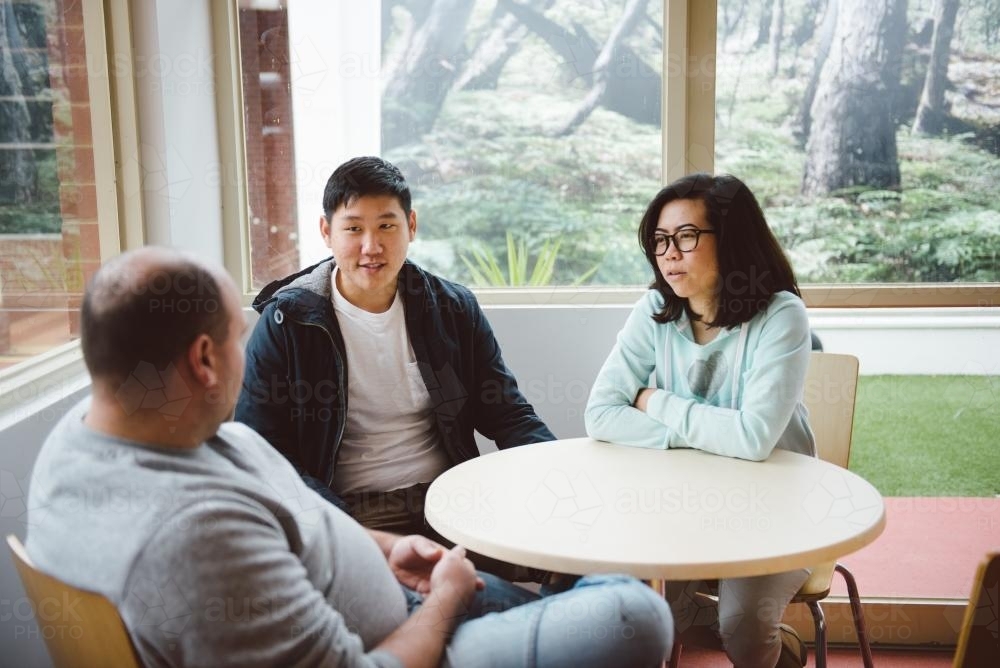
{"type": "Point", "coordinates": [343, 392]}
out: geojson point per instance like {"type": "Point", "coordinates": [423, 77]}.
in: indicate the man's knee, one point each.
{"type": "Point", "coordinates": [647, 614]}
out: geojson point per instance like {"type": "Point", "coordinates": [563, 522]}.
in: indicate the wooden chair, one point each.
{"type": "Point", "coordinates": [830, 391]}
{"type": "Point", "coordinates": [978, 644]}
{"type": "Point", "coordinates": [80, 628]}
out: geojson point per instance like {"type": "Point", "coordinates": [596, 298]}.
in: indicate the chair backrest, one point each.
{"type": "Point", "coordinates": [830, 391]}
{"type": "Point", "coordinates": [979, 639]}
{"type": "Point", "coordinates": [80, 628]}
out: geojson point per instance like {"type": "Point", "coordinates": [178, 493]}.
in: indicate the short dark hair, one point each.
{"type": "Point", "coordinates": [362, 177]}
{"type": "Point", "coordinates": [752, 266]}
{"type": "Point", "coordinates": [134, 312]}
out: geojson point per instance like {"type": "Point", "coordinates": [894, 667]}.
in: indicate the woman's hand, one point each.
{"type": "Point", "coordinates": [643, 398]}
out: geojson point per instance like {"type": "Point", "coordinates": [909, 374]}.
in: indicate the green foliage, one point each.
{"type": "Point", "coordinates": [983, 20]}
{"type": "Point", "coordinates": [42, 214]}
{"type": "Point", "coordinates": [493, 162]}
{"type": "Point", "coordinates": [486, 269]}
{"type": "Point", "coordinates": [492, 167]}
{"type": "Point", "coordinates": [25, 220]}
{"type": "Point", "coordinates": [938, 227]}
{"type": "Point", "coordinates": [941, 227]}
{"type": "Point", "coordinates": [588, 190]}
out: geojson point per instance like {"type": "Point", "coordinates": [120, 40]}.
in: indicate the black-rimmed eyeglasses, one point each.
{"type": "Point", "coordinates": [685, 240]}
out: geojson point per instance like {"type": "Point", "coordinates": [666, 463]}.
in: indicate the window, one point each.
{"type": "Point", "coordinates": [50, 239]}
{"type": "Point", "coordinates": [867, 129]}
{"type": "Point", "coordinates": [269, 125]}
{"type": "Point", "coordinates": [531, 134]}
{"type": "Point", "coordinates": [532, 129]}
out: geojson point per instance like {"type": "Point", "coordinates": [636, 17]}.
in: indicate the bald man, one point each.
{"type": "Point", "coordinates": [216, 552]}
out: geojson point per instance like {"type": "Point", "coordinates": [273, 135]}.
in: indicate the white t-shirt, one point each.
{"type": "Point", "coordinates": [390, 437]}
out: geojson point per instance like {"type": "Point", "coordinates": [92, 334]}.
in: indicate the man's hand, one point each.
{"type": "Point", "coordinates": [454, 578]}
{"type": "Point", "coordinates": [641, 399]}
{"type": "Point", "coordinates": [451, 585]}
{"type": "Point", "coordinates": [412, 560]}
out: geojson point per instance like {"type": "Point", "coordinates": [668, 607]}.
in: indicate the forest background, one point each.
{"type": "Point", "coordinates": [537, 141]}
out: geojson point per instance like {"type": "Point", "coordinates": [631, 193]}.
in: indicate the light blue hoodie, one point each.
{"type": "Point", "coordinates": [739, 395]}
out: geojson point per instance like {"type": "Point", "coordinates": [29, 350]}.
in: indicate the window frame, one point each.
{"type": "Point", "coordinates": [232, 146]}
{"type": "Point", "coordinates": [688, 145]}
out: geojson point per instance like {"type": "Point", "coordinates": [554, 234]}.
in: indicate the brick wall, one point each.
{"type": "Point", "coordinates": [269, 144]}
{"type": "Point", "coordinates": [81, 250]}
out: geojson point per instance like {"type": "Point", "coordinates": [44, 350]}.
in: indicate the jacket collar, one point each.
{"type": "Point", "coordinates": [304, 293]}
{"type": "Point", "coordinates": [308, 279]}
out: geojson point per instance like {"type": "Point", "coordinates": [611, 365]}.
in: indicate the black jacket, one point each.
{"type": "Point", "coordinates": [295, 387]}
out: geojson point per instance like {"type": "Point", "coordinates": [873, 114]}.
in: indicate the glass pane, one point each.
{"type": "Point", "coordinates": [49, 242]}
{"type": "Point", "coordinates": [268, 125]}
{"type": "Point", "coordinates": [515, 130]}
{"type": "Point", "coordinates": [817, 108]}
{"type": "Point", "coordinates": [537, 122]}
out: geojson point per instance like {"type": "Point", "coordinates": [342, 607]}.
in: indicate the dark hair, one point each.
{"type": "Point", "coordinates": [361, 177]}
{"type": "Point", "coordinates": [752, 266]}
{"type": "Point", "coordinates": [132, 314]}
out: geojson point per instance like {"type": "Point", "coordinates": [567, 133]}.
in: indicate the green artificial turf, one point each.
{"type": "Point", "coordinates": [928, 435]}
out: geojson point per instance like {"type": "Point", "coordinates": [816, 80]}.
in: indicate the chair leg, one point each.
{"type": "Point", "coordinates": [858, 613]}
{"type": "Point", "coordinates": [675, 655]}
{"type": "Point", "coordinates": [820, 621]}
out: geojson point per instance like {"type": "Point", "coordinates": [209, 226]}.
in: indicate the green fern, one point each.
{"type": "Point", "coordinates": [485, 268]}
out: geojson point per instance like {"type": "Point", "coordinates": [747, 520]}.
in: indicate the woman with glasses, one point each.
{"type": "Point", "coordinates": [724, 335]}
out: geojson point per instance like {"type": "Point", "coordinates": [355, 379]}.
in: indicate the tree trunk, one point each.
{"type": "Point", "coordinates": [634, 10]}
{"type": "Point", "coordinates": [730, 19]}
{"type": "Point", "coordinates": [485, 66]}
{"type": "Point", "coordinates": [417, 88]}
{"type": "Point", "coordinates": [777, 28]}
{"type": "Point", "coordinates": [803, 119]}
{"type": "Point", "coordinates": [633, 88]}
{"type": "Point", "coordinates": [853, 137]}
{"type": "Point", "coordinates": [931, 112]}
{"type": "Point", "coordinates": [18, 172]}
{"type": "Point", "coordinates": [764, 24]}
{"type": "Point", "coordinates": [577, 50]}
{"type": "Point", "coordinates": [806, 26]}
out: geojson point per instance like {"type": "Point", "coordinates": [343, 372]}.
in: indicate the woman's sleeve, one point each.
{"type": "Point", "coordinates": [773, 386]}
{"type": "Point", "coordinates": [610, 415]}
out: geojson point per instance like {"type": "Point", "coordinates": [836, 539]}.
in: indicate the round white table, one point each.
{"type": "Point", "coordinates": [585, 506]}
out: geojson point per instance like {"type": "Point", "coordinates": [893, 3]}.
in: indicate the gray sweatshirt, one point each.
{"type": "Point", "coordinates": [216, 555]}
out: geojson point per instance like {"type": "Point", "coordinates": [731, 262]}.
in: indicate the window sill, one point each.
{"type": "Point", "coordinates": [35, 384]}
{"type": "Point", "coordinates": [982, 296]}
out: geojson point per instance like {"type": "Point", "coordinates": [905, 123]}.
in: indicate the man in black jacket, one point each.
{"type": "Point", "coordinates": [371, 374]}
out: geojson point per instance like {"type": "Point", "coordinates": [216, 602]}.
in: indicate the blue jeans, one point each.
{"type": "Point", "coordinates": [604, 620]}
{"type": "Point", "coordinates": [498, 595]}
